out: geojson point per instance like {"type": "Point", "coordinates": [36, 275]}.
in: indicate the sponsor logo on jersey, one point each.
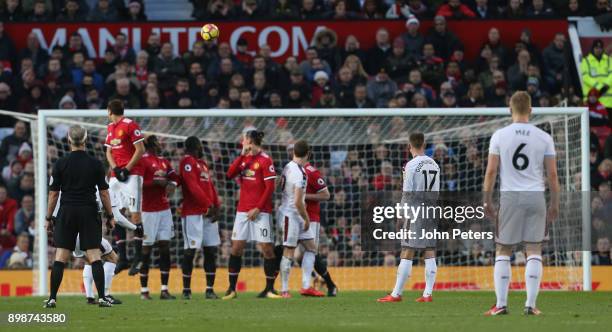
{"type": "Point", "coordinates": [249, 173]}
{"type": "Point", "coordinates": [115, 141]}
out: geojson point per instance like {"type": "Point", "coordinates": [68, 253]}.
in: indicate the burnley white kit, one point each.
{"type": "Point", "coordinates": [294, 176]}
{"type": "Point", "coordinates": [421, 174]}
{"type": "Point", "coordinates": [521, 148]}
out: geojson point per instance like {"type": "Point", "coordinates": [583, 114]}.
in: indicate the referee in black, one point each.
{"type": "Point", "coordinates": [77, 175]}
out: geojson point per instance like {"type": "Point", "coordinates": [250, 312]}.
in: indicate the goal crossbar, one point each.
{"type": "Point", "coordinates": [44, 115]}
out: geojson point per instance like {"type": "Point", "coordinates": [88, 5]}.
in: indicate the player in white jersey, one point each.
{"type": "Point", "coordinates": [421, 174]}
{"type": "Point", "coordinates": [295, 221]}
{"type": "Point", "coordinates": [522, 152]}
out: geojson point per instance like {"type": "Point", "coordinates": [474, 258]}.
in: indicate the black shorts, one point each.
{"type": "Point", "coordinates": [78, 220]}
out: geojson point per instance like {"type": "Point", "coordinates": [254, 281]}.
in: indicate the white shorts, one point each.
{"type": "Point", "coordinates": [258, 230]}
{"type": "Point", "coordinates": [521, 218]}
{"type": "Point", "coordinates": [130, 192]}
{"type": "Point", "coordinates": [200, 232]}
{"type": "Point", "coordinates": [158, 226]}
{"type": "Point", "coordinates": [293, 230]}
{"type": "Point", "coordinates": [105, 248]}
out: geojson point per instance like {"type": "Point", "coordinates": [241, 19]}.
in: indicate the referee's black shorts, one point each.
{"type": "Point", "coordinates": [75, 220]}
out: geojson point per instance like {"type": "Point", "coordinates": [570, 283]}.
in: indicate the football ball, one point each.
{"type": "Point", "coordinates": [209, 32]}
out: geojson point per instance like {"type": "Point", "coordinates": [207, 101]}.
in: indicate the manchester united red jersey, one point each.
{"type": "Point", "coordinates": [121, 137]}
{"type": "Point", "coordinates": [198, 188]}
{"type": "Point", "coordinates": [253, 174]}
{"type": "Point", "coordinates": [154, 197]}
{"type": "Point", "coordinates": [315, 184]}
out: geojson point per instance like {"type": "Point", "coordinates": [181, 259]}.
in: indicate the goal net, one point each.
{"type": "Point", "coordinates": [359, 153]}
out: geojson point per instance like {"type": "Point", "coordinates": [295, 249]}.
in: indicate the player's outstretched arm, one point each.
{"type": "Point", "coordinates": [140, 150]}
{"type": "Point", "coordinates": [320, 196]}
{"type": "Point", "coordinates": [301, 207]}
{"type": "Point", "coordinates": [550, 163]}
{"type": "Point", "coordinates": [489, 183]}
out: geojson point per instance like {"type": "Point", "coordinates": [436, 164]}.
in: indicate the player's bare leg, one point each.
{"type": "Point", "coordinates": [164, 269]}
{"type": "Point", "coordinates": [267, 251]}
{"type": "Point", "coordinates": [210, 269]}
{"type": "Point", "coordinates": [431, 269]}
{"type": "Point", "coordinates": [502, 273]}
{"type": "Point", "coordinates": [137, 240]}
{"type": "Point", "coordinates": [533, 275]}
{"type": "Point", "coordinates": [308, 263]}
{"type": "Point", "coordinates": [234, 266]}
{"type": "Point", "coordinates": [404, 270]}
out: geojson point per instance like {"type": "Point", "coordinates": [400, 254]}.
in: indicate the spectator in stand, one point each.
{"type": "Point", "coordinates": [169, 66]}
{"type": "Point", "coordinates": [123, 50]}
{"type": "Point", "coordinates": [320, 81]}
{"type": "Point", "coordinates": [601, 7]}
{"type": "Point", "coordinates": [474, 97]}
{"type": "Point", "coordinates": [135, 12]}
{"type": "Point", "coordinates": [373, 9]}
{"type": "Point", "coordinates": [103, 12]}
{"type": "Point", "coordinates": [361, 99]}
{"type": "Point", "coordinates": [310, 10]}
{"type": "Point", "coordinates": [20, 257]}
{"type": "Point", "coordinates": [341, 12]}
{"type": "Point", "coordinates": [455, 10]}
{"type": "Point", "coordinates": [517, 73]}
{"type": "Point", "coordinates": [345, 87]}
{"type": "Point", "coordinates": [40, 12]}
{"type": "Point", "coordinates": [539, 9]}
{"type": "Point", "coordinates": [7, 49]}
{"type": "Point", "coordinates": [34, 100]}
{"type": "Point", "coordinates": [554, 63]}
{"type": "Point", "coordinates": [326, 44]}
{"type": "Point", "coordinates": [123, 92]}
{"type": "Point", "coordinates": [284, 10]}
{"type": "Point", "coordinates": [24, 185]}
{"type": "Point", "coordinates": [381, 88]}
{"type": "Point", "coordinates": [12, 11]}
{"type": "Point", "coordinates": [413, 39]}
{"type": "Point", "coordinates": [431, 66]}
{"type": "Point", "coordinates": [328, 99]}
{"type": "Point", "coordinates": [444, 41]}
{"type": "Point", "coordinates": [33, 51]}
{"type": "Point", "coordinates": [418, 8]}
{"type": "Point", "coordinates": [483, 10]}
{"type": "Point", "coordinates": [355, 65]}
{"type": "Point", "coordinates": [596, 73]}
{"type": "Point", "coordinates": [24, 218]}
{"type": "Point", "coordinates": [11, 144]}
{"type": "Point", "coordinates": [603, 255]}
{"type": "Point", "coordinates": [249, 10]}
{"type": "Point", "coordinates": [352, 47]}
{"type": "Point", "coordinates": [416, 85]}
{"type": "Point", "coordinates": [573, 8]}
{"type": "Point", "coordinates": [398, 10]}
{"type": "Point", "coordinates": [384, 179]}
{"type": "Point", "coordinates": [70, 12]}
{"type": "Point", "coordinates": [8, 209]}
{"type": "Point", "coordinates": [514, 10]}
{"type": "Point", "coordinates": [12, 171]}
{"type": "Point", "coordinates": [376, 56]}
{"type": "Point", "coordinates": [398, 64]}
{"type": "Point", "coordinates": [7, 101]}
{"type": "Point", "coordinates": [495, 45]}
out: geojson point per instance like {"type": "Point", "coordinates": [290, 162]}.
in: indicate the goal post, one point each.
{"type": "Point", "coordinates": [98, 117]}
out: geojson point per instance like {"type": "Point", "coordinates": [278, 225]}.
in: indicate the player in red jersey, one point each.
{"type": "Point", "coordinates": [199, 216]}
{"type": "Point", "coordinates": [317, 192]}
{"type": "Point", "coordinates": [256, 176]}
{"type": "Point", "coordinates": [159, 180]}
{"type": "Point", "coordinates": [124, 148]}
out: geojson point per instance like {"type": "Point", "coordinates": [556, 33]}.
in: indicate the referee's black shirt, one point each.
{"type": "Point", "coordinates": [76, 176]}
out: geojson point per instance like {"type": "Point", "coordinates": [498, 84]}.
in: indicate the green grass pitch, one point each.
{"type": "Point", "coordinates": [350, 311]}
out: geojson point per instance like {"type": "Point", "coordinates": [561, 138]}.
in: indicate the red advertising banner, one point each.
{"type": "Point", "coordinates": [284, 38]}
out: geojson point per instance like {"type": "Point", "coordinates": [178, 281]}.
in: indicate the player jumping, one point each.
{"type": "Point", "coordinates": [522, 152]}
{"type": "Point", "coordinates": [124, 148]}
{"type": "Point", "coordinates": [159, 180]}
{"type": "Point", "coordinates": [199, 216]}
{"type": "Point", "coordinates": [256, 175]}
{"type": "Point", "coordinates": [296, 222]}
{"type": "Point", "coordinates": [421, 174]}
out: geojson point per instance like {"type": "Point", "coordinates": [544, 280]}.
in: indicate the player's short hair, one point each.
{"type": "Point", "coordinates": [115, 106]}
{"type": "Point", "coordinates": [301, 149]}
{"type": "Point", "coordinates": [417, 140]}
{"type": "Point", "coordinates": [77, 135]}
{"type": "Point", "coordinates": [192, 143]}
{"type": "Point", "coordinates": [150, 142]}
{"type": "Point", "coordinates": [256, 136]}
{"type": "Point", "coordinates": [520, 102]}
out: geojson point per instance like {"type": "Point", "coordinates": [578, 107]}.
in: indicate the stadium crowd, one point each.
{"type": "Point", "coordinates": [416, 69]}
